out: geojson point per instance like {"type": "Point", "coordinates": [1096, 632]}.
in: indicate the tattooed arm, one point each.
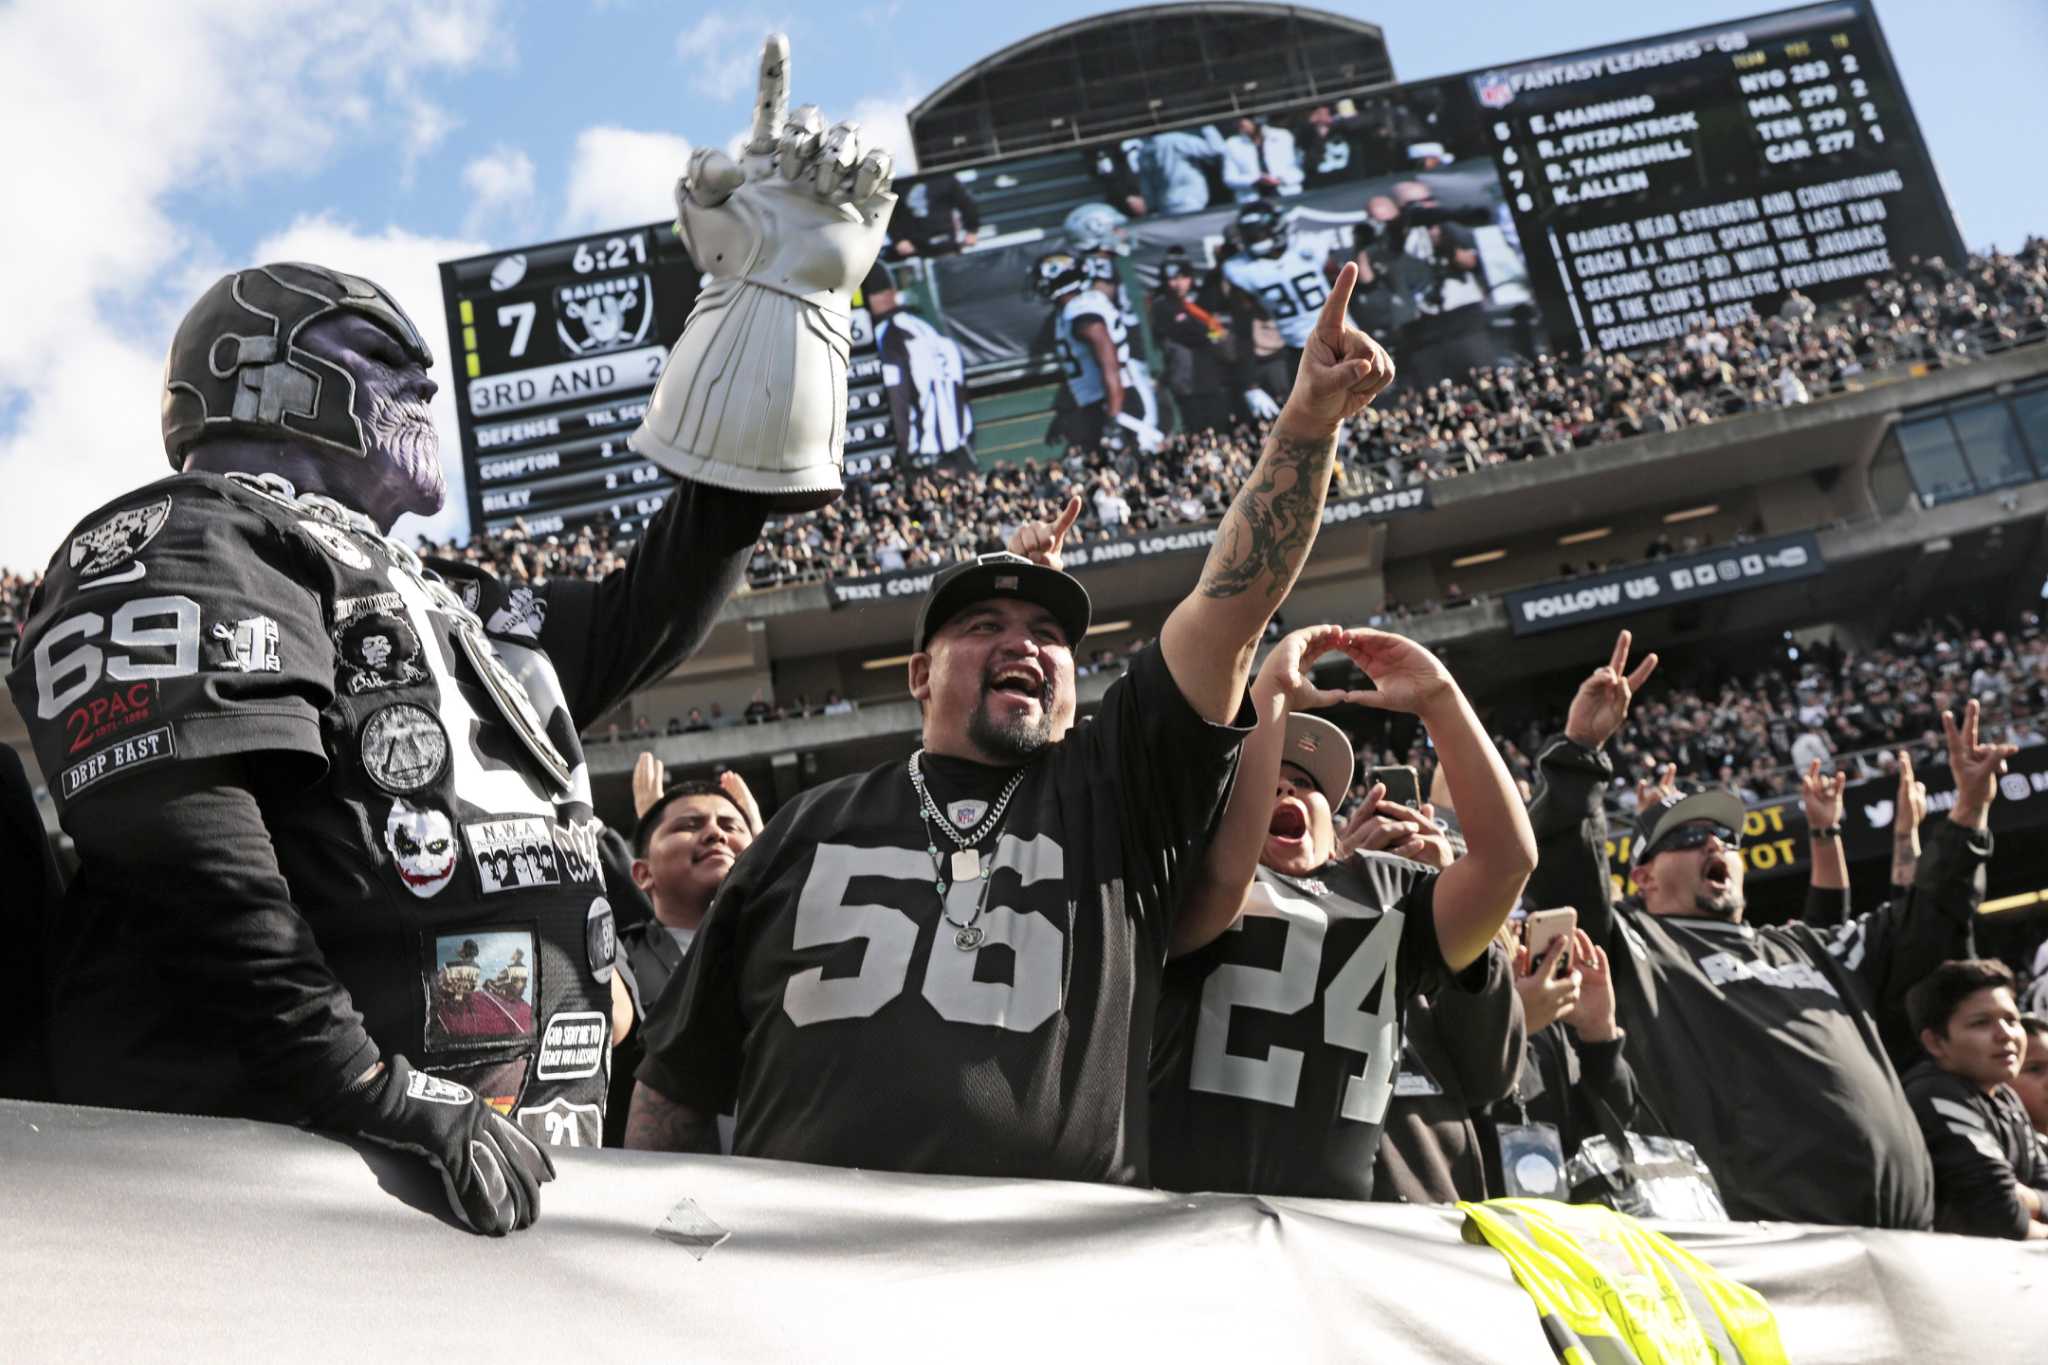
{"type": "Point", "coordinates": [1209, 639]}
{"type": "Point", "coordinates": [657, 1123]}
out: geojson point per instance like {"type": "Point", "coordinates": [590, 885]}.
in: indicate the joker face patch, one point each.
{"type": "Point", "coordinates": [422, 847]}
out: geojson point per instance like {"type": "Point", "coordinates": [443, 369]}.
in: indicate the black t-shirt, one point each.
{"type": "Point", "coordinates": [1277, 1044]}
{"type": "Point", "coordinates": [1704, 1001]}
{"type": "Point", "coordinates": [413, 737]}
{"type": "Point", "coordinates": [826, 995]}
{"type": "Point", "coordinates": [1762, 1046]}
{"type": "Point", "coordinates": [1984, 1151]}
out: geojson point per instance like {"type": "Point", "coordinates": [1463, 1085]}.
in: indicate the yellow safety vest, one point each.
{"type": "Point", "coordinates": [1610, 1291]}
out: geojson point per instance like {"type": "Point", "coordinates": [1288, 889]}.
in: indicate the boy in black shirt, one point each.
{"type": "Point", "coordinates": [1988, 1178]}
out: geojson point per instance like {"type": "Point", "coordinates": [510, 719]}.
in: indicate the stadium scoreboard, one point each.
{"type": "Point", "coordinates": [557, 349]}
{"type": "Point", "coordinates": [1701, 176]}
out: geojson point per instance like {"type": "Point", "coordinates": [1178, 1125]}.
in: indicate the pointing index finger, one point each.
{"type": "Point", "coordinates": [1068, 515]}
{"type": "Point", "coordinates": [1330, 326]}
{"type": "Point", "coordinates": [771, 105]}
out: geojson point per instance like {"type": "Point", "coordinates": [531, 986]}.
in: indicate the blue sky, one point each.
{"type": "Point", "coordinates": [166, 142]}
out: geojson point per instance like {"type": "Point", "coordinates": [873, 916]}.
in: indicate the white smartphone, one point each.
{"type": "Point", "coordinates": [1543, 930]}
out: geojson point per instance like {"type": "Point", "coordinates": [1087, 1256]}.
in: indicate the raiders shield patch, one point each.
{"type": "Point", "coordinates": [403, 748]}
{"type": "Point", "coordinates": [115, 541]}
{"type": "Point", "coordinates": [522, 615]}
{"type": "Point", "coordinates": [338, 544]}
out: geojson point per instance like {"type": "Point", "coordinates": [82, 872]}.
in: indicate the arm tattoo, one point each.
{"type": "Point", "coordinates": [656, 1123]}
{"type": "Point", "coordinates": [1267, 532]}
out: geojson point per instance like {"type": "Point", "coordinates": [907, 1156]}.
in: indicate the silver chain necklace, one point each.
{"type": "Point", "coordinates": [967, 862]}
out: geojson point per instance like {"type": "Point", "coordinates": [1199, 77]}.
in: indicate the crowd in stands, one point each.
{"type": "Point", "coordinates": [1927, 314]}
{"type": "Point", "coordinates": [1753, 731]}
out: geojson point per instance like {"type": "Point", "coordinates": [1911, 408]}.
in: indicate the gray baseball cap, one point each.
{"type": "Point", "coordinates": [1322, 751]}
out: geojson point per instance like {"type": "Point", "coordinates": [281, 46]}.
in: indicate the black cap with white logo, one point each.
{"type": "Point", "coordinates": [1003, 575]}
{"type": "Point", "coordinates": [1653, 822]}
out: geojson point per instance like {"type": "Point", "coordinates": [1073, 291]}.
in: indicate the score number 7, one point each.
{"type": "Point", "coordinates": [1291, 988]}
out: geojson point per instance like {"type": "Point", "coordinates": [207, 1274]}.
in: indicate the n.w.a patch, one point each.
{"type": "Point", "coordinates": [115, 541]}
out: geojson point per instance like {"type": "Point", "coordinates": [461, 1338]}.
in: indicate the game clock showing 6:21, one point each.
{"type": "Point", "coordinates": [558, 347]}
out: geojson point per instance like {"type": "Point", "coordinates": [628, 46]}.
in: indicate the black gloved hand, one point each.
{"type": "Point", "coordinates": [491, 1170]}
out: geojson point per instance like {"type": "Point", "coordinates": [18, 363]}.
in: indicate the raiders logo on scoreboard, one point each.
{"type": "Point", "coordinates": [592, 316]}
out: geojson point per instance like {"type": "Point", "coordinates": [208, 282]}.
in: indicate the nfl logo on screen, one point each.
{"type": "Point", "coordinates": [1494, 92]}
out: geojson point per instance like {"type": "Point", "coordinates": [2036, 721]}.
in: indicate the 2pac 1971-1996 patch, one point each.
{"type": "Point", "coordinates": [481, 988]}
{"type": "Point", "coordinates": [114, 541]}
{"type": "Point", "coordinates": [422, 847]}
{"type": "Point", "coordinates": [374, 644]}
{"type": "Point", "coordinates": [245, 646]}
{"type": "Point", "coordinates": [108, 714]}
{"type": "Point", "coordinates": [510, 854]}
{"type": "Point", "coordinates": [338, 544]}
{"type": "Point", "coordinates": [522, 614]}
{"type": "Point", "coordinates": [403, 747]}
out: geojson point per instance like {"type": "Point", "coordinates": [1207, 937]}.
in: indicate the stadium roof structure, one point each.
{"type": "Point", "coordinates": [1135, 71]}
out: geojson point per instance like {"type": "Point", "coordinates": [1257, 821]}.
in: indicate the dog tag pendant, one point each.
{"type": "Point", "coordinates": [966, 865]}
{"type": "Point", "coordinates": [968, 938]}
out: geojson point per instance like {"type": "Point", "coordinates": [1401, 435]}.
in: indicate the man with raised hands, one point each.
{"type": "Point", "coordinates": [1760, 1046]}
{"type": "Point", "coordinates": [1279, 1040]}
{"type": "Point", "coordinates": [951, 963]}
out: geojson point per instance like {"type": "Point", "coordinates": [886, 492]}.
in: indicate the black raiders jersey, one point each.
{"type": "Point", "coordinates": [443, 853]}
{"type": "Point", "coordinates": [836, 996]}
{"type": "Point", "coordinates": [1277, 1044]}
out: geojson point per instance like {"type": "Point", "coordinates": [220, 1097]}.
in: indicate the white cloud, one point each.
{"type": "Point", "coordinates": [619, 176]}
{"type": "Point", "coordinates": [206, 95]}
{"type": "Point", "coordinates": [723, 53]}
{"type": "Point", "coordinates": [500, 185]}
{"type": "Point", "coordinates": [408, 266]}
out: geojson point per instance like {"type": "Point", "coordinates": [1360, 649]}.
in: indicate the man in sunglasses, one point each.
{"type": "Point", "coordinates": [1760, 1046]}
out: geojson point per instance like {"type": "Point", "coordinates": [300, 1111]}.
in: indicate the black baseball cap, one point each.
{"type": "Point", "coordinates": [1654, 822]}
{"type": "Point", "coordinates": [1003, 575]}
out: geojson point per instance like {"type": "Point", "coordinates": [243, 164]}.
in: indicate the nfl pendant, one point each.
{"type": "Point", "coordinates": [967, 939]}
{"type": "Point", "coordinates": [967, 868]}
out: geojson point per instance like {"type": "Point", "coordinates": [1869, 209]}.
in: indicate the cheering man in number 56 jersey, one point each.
{"type": "Point", "coordinates": [951, 965]}
{"type": "Point", "coordinates": [1279, 1041]}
